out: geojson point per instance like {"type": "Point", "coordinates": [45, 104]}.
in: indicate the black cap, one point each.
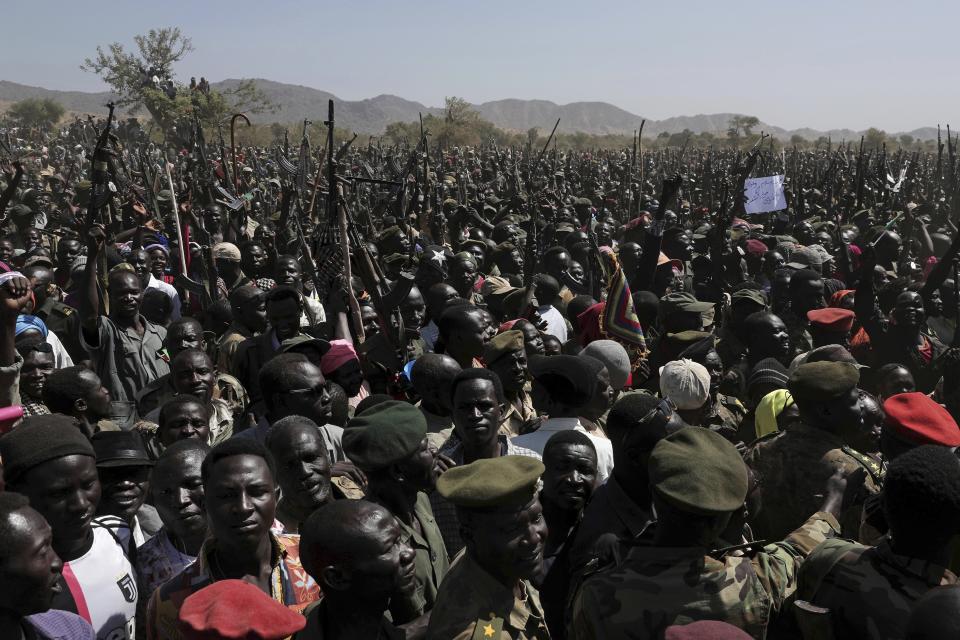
{"type": "Point", "coordinates": [120, 449]}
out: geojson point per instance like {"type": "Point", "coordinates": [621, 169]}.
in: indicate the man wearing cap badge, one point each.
{"type": "Point", "coordinates": [698, 481]}
{"type": "Point", "coordinates": [487, 594]}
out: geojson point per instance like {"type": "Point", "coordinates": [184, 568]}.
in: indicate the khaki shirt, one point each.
{"type": "Point", "coordinates": [430, 565]}
{"type": "Point", "coordinates": [229, 342]}
{"type": "Point", "coordinates": [126, 362]}
{"type": "Point", "coordinates": [518, 413]}
{"type": "Point", "coordinates": [472, 605]}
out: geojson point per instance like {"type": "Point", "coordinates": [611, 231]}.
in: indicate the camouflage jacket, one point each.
{"type": "Point", "coordinates": [869, 591]}
{"type": "Point", "coordinates": [655, 587]}
{"type": "Point", "coordinates": [791, 469]}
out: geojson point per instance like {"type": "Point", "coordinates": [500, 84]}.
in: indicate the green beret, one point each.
{"type": "Point", "coordinates": [492, 482]}
{"type": "Point", "coordinates": [699, 472]}
{"type": "Point", "coordinates": [505, 247]}
{"type": "Point", "coordinates": [389, 232]}
{"type": "Point", "coordinates": [20, 210]}
{"type": "Point", "coordinates": [582, 202]}
{"type": "Point", "coordinates": [394, 258]}
{"type": "Point", "coordinates": [688, 337]}
{"type": "Point", "coordinates": [466, 256]}
{"type": "Point", "coordinates": [449, 204]}
{"type": "Point", "coordinates": [822, 381]}
{"type": "Point", "coordinates": [165, 196]}
{"type": "Point", "coordinates": [748, 295]}
{"type": "Point", "coordinates": [474, 243]}
{"type": "Point", "coordinates": [503, 344]}
{"type": "Point", "coordinates": [384, 434]}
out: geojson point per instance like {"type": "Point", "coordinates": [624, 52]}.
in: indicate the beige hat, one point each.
{"type": "Point", "coordinates": [686, 383]}
{"type": "Point", "coordinates": [226, 251]}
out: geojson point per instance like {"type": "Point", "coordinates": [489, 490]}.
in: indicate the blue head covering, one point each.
{"type": "Point", "coordinates": [26, 323]}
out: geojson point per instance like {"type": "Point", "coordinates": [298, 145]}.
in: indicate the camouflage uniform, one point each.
{"type": "Point", "coordinates": [868, 590]}
{"type": "Point", "coordinates": [791, 469]}
{"type": "Point", "coordinates": [655, 587]}
{"type": "Point", "coordinates": [473, 605]}
{"type": "Point", "coordinates": [725, 417]}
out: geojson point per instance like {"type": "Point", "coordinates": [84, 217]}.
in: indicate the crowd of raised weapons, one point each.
{"type": "Point", "coordinates": [111, 172]}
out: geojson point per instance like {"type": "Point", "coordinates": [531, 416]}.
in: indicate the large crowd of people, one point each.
{"type": "Point", "coordinates": [442, 392]}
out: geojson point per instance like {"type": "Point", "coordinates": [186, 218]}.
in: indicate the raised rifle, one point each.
{"type": "Point", "coordinates": [99, 195]}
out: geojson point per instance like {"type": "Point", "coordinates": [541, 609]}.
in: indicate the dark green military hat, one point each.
{"type": "Point", "coordinates": [582, 202]}
{"type": "Point", "coordinates": [502, 344]}
{"type": "Point", "coordinates": [823, 381]}
{"type": "Point", "coordinates": [688, 337]}
{"type": "Point", "coordinates": [492, 482]}
{"type": "Point", "coordinates": [384, 434]}
{"type": "Point", "coordinates": [389, 232]}
{"type": "Point", "coordinates": [698, 471]}
{"type": "Point", "coordinates": [394, 258]}
{"type": "Point", "coordinates": [748, 295]}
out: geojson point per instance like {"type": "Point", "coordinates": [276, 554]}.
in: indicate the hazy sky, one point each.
{"type": "Point", "coordinates": [814, 63]}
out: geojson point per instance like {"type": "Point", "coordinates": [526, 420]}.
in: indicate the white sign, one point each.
{"type": "Point", "coordinates": [764, 194]}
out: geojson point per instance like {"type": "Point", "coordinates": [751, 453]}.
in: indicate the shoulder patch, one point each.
{"type": "Point", "coordinates": [486, 629]}
{"type": "Point", "coordinates": [874, 468]}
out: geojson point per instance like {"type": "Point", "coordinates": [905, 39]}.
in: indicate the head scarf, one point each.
{"type": "Point", "coordinates": [341, 352]}
{"type": "Point", "coordinates": [26, 323]}
{"type": "Point", "coordinates": [771, 406]}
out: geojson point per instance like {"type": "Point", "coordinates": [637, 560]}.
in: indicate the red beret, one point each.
{"type": "Point", "coordinates": [236, 610]}
{"type": "Point", "coordinates": [705, 630]}
{"type": "Point", "coordinates": [756, 247]}
{"type": "Point", "coordinates": [916, 418]}
{"type": "Point", "coordinates": [832, 319]}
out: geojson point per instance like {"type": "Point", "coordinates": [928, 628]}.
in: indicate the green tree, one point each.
{"type": "Point", "coordinates": [798, 140]}
{"type": "Point", "coordinates": [126, 72]}
{"type": "Point", "coordinates": [874, 138]}
{"type": "Point", "coordinates": [745, 123]}
{"type": "Point", "coordinates": [906, 140]}
{"type": "Point", "coordinates": [42, 113]}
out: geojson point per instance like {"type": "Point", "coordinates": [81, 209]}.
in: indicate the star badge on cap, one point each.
{"type": "Point", "coordinates": [438, 257]}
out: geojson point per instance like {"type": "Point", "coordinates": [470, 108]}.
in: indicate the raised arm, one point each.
{"type": "Point", "coordinates": [90, 303]}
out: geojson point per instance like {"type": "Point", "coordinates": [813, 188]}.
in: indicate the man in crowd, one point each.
{"type": "Point", "coordinates": [52, 463]}
{"type": "Point", "coordinates": [240, 496]}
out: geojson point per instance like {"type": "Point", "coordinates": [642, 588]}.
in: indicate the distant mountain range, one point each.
{"type": "Point", "coordinates": [296, 103]}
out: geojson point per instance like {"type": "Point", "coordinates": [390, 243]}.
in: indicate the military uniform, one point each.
{"type": "Point", "coordinates": [655, 587]}
{"type": "Point", "coordinates": [518, 414]}
{"type": "Point", "coordinates": [792, 467]}
{"type": "Point", "coordinates": [63, 320]}
{"type": "Point", "coordinates": [431, 563]}
{"type": "Point", "coordinates": [725, 417]}
{"type": "Point", "coordinates": [385, 435]}
{"type": "Point", "coordinates": [869, 591]}
{"type": "Point", "coordinates": [475, 606]}
{"type": "Point", "coordinates": [471, 603]}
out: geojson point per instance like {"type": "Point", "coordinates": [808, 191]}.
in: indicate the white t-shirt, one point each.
{"type": "Point", "coordinates": [537, 440]}
{"type": "Point", "coordinates": [556, 325]}
{"type": "Point", "coordinates": [102, 582]}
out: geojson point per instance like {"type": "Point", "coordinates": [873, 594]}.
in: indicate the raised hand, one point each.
{"type": "Point", "coordinates": [14, 295]}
